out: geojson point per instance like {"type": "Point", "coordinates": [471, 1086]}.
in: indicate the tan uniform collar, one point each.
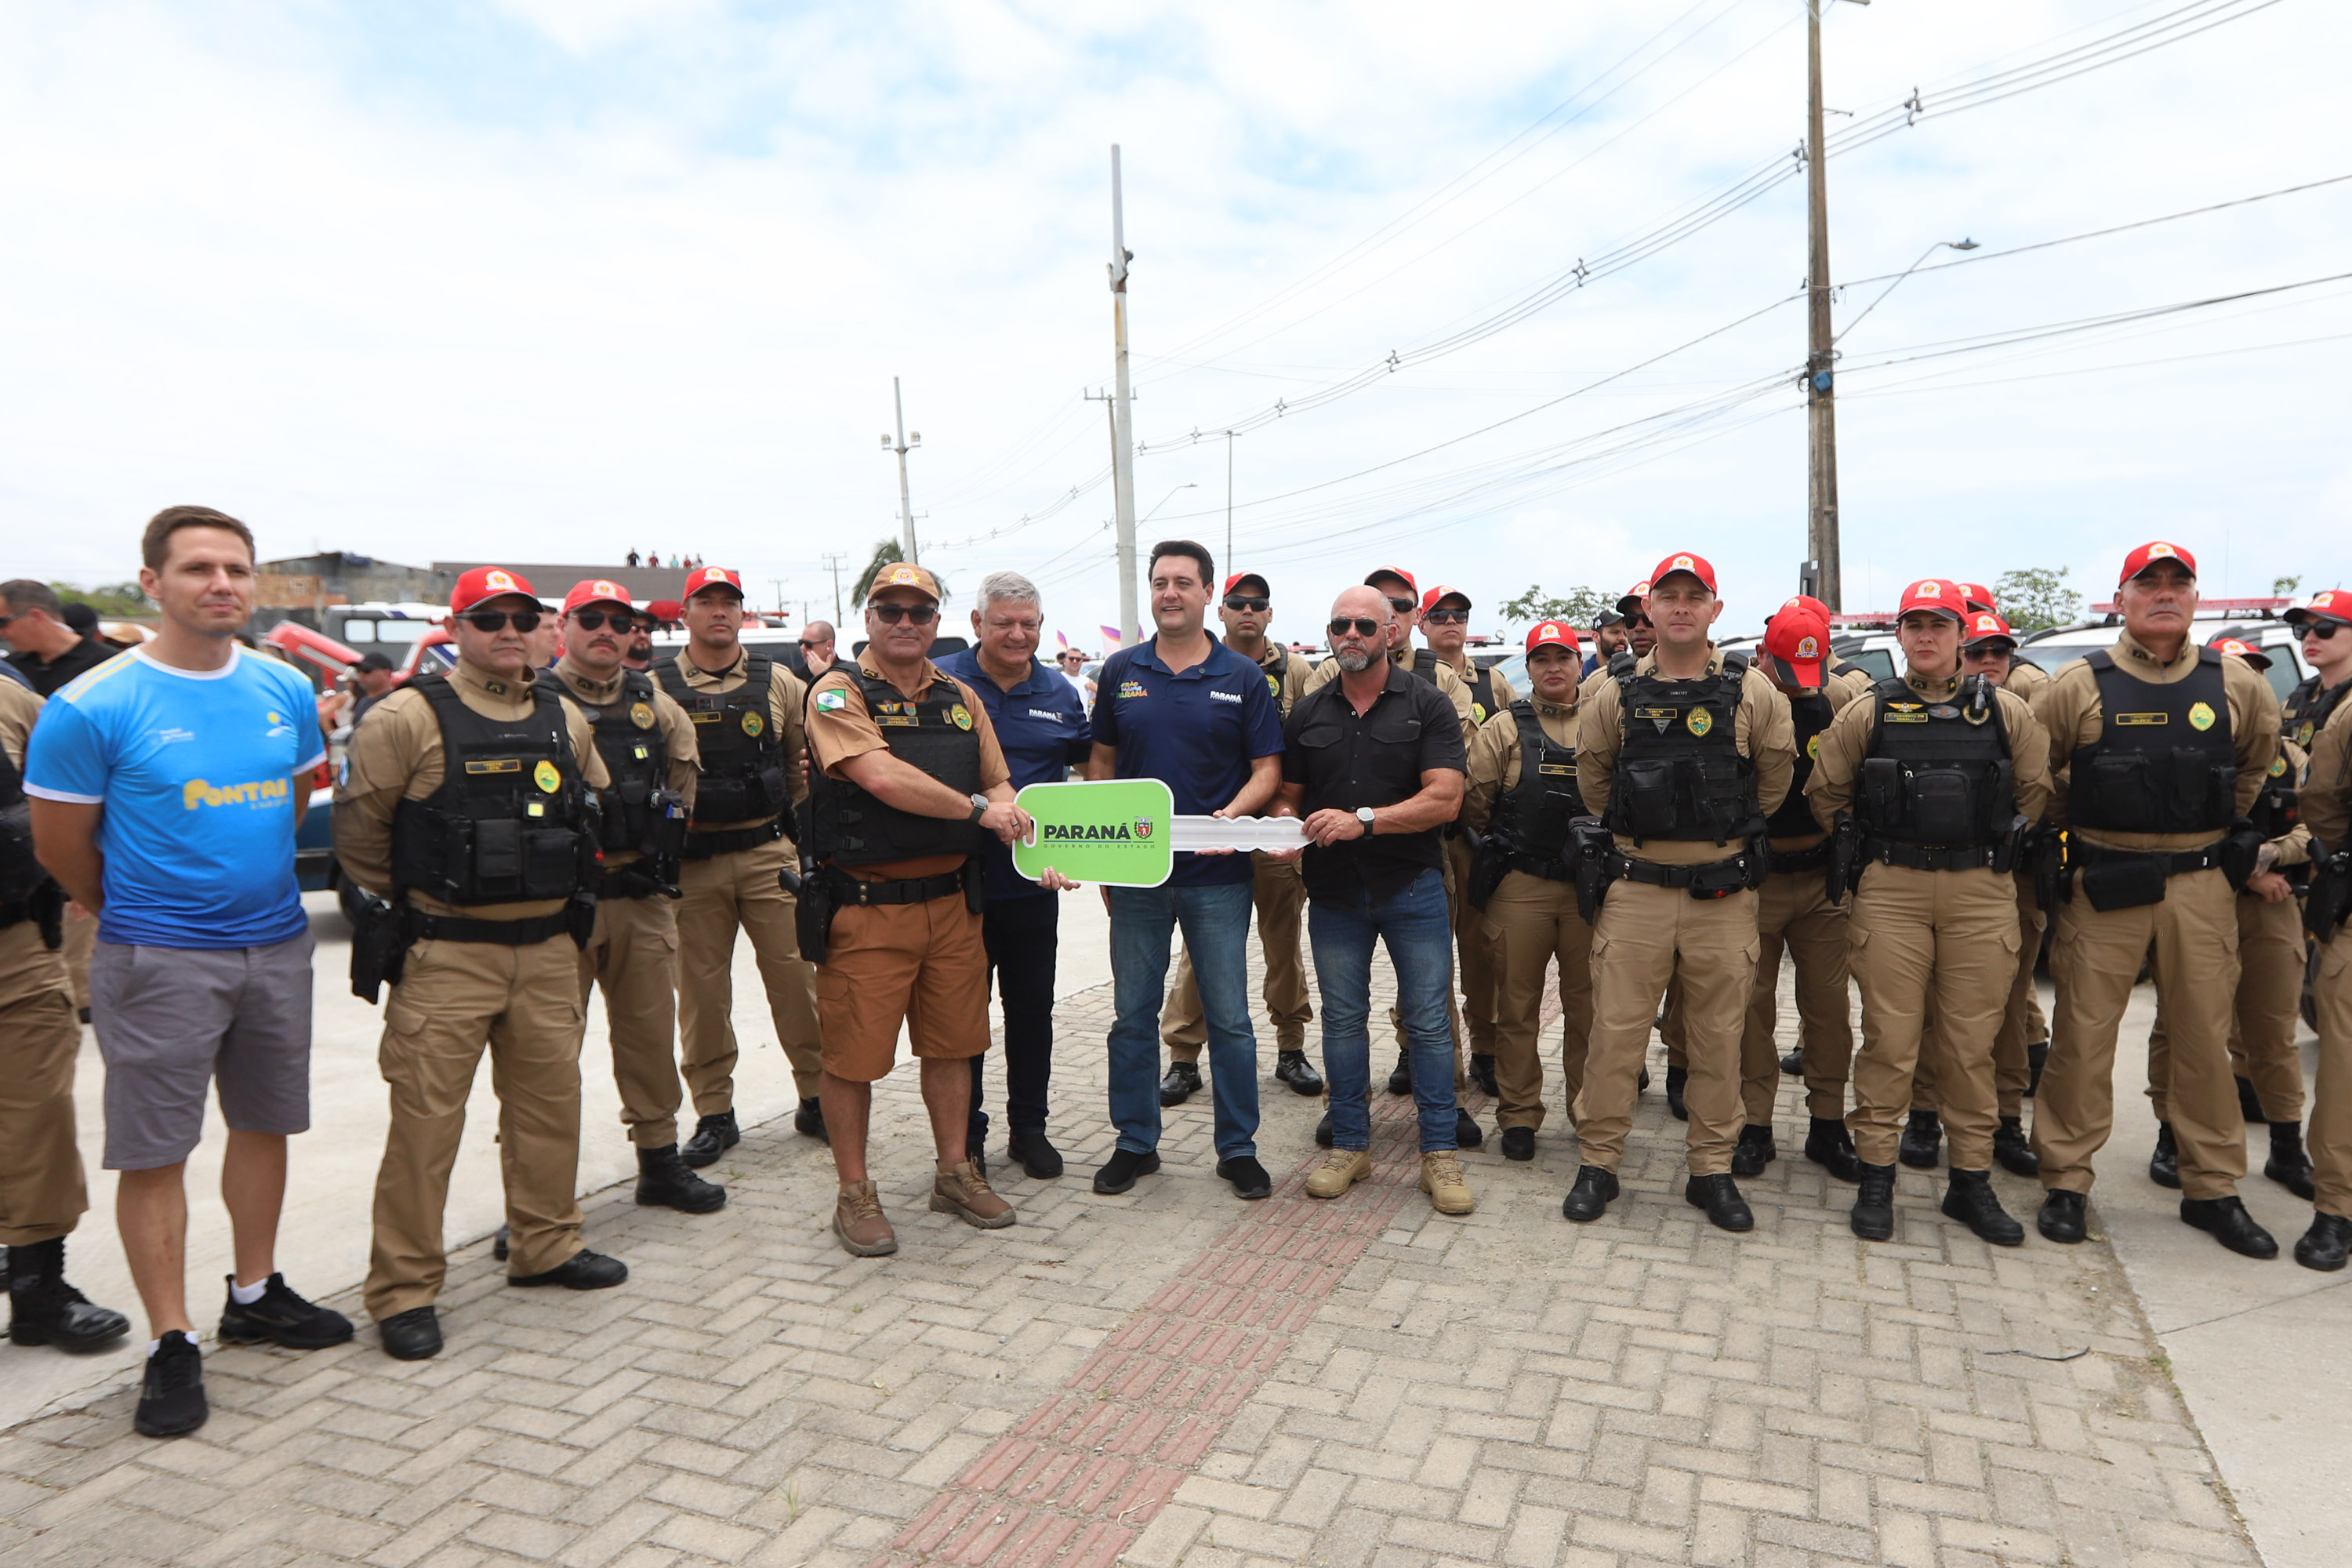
{"type": "Point", "coordinates": [468, 676]}
{"type": "Point", "coordinates": [867, 668]}
{"type": "Point", "coordinates": [1648, 663]}
{"type": "Point", "coordinates": [2130, 650]}
{"type": "Point", "coordinates": [1931, 685]}
{"type": "Point", "coordinates": [588, 686]}
{"type": "Point", "coordinates": [1552, 709]}
{"type": "Point", "coordinates": [694, 673]}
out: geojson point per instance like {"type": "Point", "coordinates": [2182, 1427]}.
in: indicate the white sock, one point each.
{"type": "Point", "coordinates": [155, 1345]}
{"type": "Point", "coordinates": [246, 1295]}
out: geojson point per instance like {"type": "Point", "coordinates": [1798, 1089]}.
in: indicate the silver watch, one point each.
{"type": "Point", "coordinates": [1364, 815]}
{"type": "Point", "coordinates": [979, 806]}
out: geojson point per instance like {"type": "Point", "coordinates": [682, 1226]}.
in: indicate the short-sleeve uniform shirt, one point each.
{"type": "Point", "coordinates": [1197, 731]}
{"type": "Point", "coordinates": [195, 769]}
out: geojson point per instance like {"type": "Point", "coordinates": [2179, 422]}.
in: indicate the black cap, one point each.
{"type": "Point", "coordinates": [375, 661]}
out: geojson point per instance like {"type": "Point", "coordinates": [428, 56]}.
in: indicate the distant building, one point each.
{"type": "Point", "coordinates": [302, 588]}
{"type": "Point", "coordinates": [554, 580]}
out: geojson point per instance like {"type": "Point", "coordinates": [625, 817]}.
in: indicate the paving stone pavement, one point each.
{"type": "Point", "coordinates": [1171, 1377]}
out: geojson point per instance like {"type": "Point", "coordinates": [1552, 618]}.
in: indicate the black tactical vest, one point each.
{"type": "Point", "coordinates": [2279, 807]}
{"type": "Point", "coordinates": [849, 826]}
{"type": "Point", "coordinates": [744, 761]}
{"type": "Point", "coordinates": [2306, 712]}
{"type": "Point", "coordinates": [1679, 773]}
{"type": "Point", "coordinates": [629, 739]}
{"type": "Point", "coordinates": [512, 821]}
{"type": "Point", "coordinates": [20, 875]}
{"type": "Point", "coordinates": [1794, 819]}
{"type": "Point", "coordinates": [2164, 760]}
{"type": "Point", "coordinates": [1482, 692]}
{"type": "Point", "coordinates": [1531, 819]}
{"type": "Point", "coordinates": [1938, 773]}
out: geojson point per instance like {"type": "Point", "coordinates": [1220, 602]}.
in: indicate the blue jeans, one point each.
{"type": "Point", "coordinates": [1420, 937]}
{"type": "Point", "coordinates": [1216, 929]}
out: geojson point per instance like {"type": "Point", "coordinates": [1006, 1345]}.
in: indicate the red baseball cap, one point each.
{"type": "Point", "coordinates": [1797, 640]}
{"type": "Point", "coordinates": [2239, 647]}
{"type": "Point", "coordinates": [1978, 596]}
{"type": "Point", "coordinates": [2327, 604]}
{"type": "Point", "coordinates": [1558, 634]}
{"type": "Point", "coordinates": [597, 591]}
{"type": "Point", "coordinates": [1245, 577]}
{"type": "Point", "coordinates": [665, 609]}
{"type": "Point", "coordinates": [2139, 560]}
{"type": "Point", "coordinates": [1984, 626]}
{"type": "Point", "coordinates": [703, 577]}
{"type": "Point", "coordinates": [1399, 572]}
{"type": "Point", "coordinates": [1938, 595]}
{"type": "Point", "coordinates": [1429, 600]}
{"type": "Point", "coordinates": [1806, 602]}
{"type": "Point", "coordinates": [487, 582]}
{"type": "Point", "coordinates": [1630, 599]}
{"type": "Point", "coordinates": [1696, 565]}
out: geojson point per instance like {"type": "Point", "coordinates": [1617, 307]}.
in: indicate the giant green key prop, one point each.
{"type": "Point", "coordinates": [1124, 833]}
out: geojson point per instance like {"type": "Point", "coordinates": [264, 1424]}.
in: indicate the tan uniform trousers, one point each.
{"type": "Point", "coordinates": [1951, 936]}
{"type": "Point", "coordinates": [1474, 966]}
{"type": "Point", "coordinates": [1529, 923]}
{"type": "Point", "coordinates": [2021, 1024]}
{"type": "Point", "coordinates": [41, 1190]}
{"type": "Point", "coordinates": [1280, 894]}
{"type": "Point", "coordinates": [634, 957]}
{"type": "Point", "coordinates": [721, 894]}
{"type": "Point", "coordinates": [1642, 935]}
{"type": "Point", "coordinates": [453, 998]}
{"type": "Point", "coordinates": [2096, 959]}
{"type": "Point", "coordinates": [1794, 913]}
{"type": "Point", "coordinates": [2262, 1034]}
{"type": "Point", "coordinates": [2331, 1091]}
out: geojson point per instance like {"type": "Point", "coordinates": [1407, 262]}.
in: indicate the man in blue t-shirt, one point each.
{"type": "Point", "coordinates": [1191, 713]}
{"type": "Point", "coordinates": [166, 786]}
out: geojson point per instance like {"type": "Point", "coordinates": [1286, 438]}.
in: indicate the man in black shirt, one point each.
{"type": "Point", "coordinates": [1374, 763]}
{"type": "Point", "coordinates": [47, 652]}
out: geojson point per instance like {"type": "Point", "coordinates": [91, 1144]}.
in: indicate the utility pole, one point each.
{"type": "Point", "coordinates": [778, 585]}
{"type": "Point", "coordinates": [905, 506]}
{"type": "Point", "coordinates": [1820, 408]}
{"type": "Point", "coordinates": [833, 563]}
{"type": "Point", "coordinates": [1229, 504]}
{"type": "Point", "coordinates": [1122, 440]}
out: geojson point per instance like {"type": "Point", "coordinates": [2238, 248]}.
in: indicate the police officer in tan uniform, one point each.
{"type": "Point", "coordinates": [1278, 894]}
{"type": "Point", "coordinates": [467, 802]}
{"type": "Point", "coordinates": [648, 749]}
{"type": "Point", "coordinates": [1521, 797]}
{"type": "Point", "coordinates": [747, 712]}
{"type": "Point", "coordinates": [1445, 620]}
{"type": "Point", "coordinates": [42, 1195]}
{"type": "Point", "coordinates": [2160, 747]}
{"type": "Point", "coordinates": [2326, 808]}
{"type": "Point", "coordinates": [1682, 755]}
{"type": "Point", "coordinates": [1938, 777]}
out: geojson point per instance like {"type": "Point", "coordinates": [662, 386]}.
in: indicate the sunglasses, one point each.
{"type": "Point", "coordinates": [593, 620]}
{"type": "Point", "coordinates": [812, 642]}
{"type": "Point", "coordinates": [914, 614]}
{"type": "Point", "coordinates": [1401, 607]}
{"type": "Point", "coordinates": [1446, 617]}
{"type": "Point", "coordinates": [496, 620]}
{"type": "Point", "coordinates": [1362, 626]}
{"type": "Point", "coordinates": [1248, 602]}
{"type": "Point", "coordinates": [2324, 630]}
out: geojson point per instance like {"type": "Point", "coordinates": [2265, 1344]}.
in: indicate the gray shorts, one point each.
{"type": "Point", "coordinates": [173, 1020]}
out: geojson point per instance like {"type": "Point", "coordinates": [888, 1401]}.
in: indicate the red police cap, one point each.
{"type": "Point", "coordinates": [1684, 561]}
{"type": "Point", "coordinates": [1939, 594]}
{"type": "Point", "coordinates": [2239, 647]}
{"type": "Point", "coordinates": [1984, 626]}
{"type": "Point", "coordinates": [1978, 596]}
{"type": "Point", "coordinates": [703, 577]}
{"type": "Point", "coordinates": [1263, 587]}
{"type": "Point", "coordinates": [596, 591]}
{"type": "Point", "coordinates": [1797, 640]}
{"type": "Point", "coordinates": [1429, 600]}
{"type": "Point", "coordinates": [1556, 634]}
{"type": "Point", "coordinates": [487, 582]}
{"type": "Point", "coordinates": [2327, 604]}
{"type": "Point", "coordinates": [2147, 554]}
{"type": "Point", "coordinates": [1399, 572]}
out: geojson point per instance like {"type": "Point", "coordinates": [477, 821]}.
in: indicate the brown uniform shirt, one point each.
{"type": "Point", "coordinates": [394, 754]}
{"type": "Point", "coordinates": [1761, 728]}
{"type": "Point", "coordinates": [677, 733]}
{"type": "Point", "coordinates": [2070, 711]}
{"type": "Point", "coordinates": [1495, 755]}
{"type": "Point", "coordinates": [1286, 674]}
{"type": "Point", "coordinates": [27, 966]}
{"type": "Point", "coordinates": [837, 734]}
{"type": "Point", "coordinates": [787, 698]}
{"type": "Point", "coordinates": [2327, 787]}
{"type": "Point", "coordinates": [1847, 741]}
{"type": "Point", "coordinates": [2026, 677]}
{"type": "Point", "coordinates": [1449, 681]}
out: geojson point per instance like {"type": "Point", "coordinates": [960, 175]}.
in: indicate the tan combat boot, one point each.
{"type": "Point", "coordinates": [1442, 1179]}
{"type": "Point", "coordinates": [1341, 1169]}
{"type": "Point", "coordinates": [962, 1190]}
{"type": "Point", "coordinates": [857, 1220]}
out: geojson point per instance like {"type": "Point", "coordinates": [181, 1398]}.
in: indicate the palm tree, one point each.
{"type": "Point", "coordinates": [885, 552]}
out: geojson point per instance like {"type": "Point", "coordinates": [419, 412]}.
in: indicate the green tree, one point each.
{"type": "Point", "coordinates": [1581, 607]}
{"type": "Point", "coordinates": [886, 551]}
{"type": "Point", "coordinates": [108, 598]}
{"type": "Point", "coordinates": [2281, 587]}
{"type": "Point", "coordinates": [2033, 597]}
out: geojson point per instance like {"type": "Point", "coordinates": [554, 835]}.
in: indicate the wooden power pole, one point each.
{"type": "Point", "coordinates": [1821, 407]}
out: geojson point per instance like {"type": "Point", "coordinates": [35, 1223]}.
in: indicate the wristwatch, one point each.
{"type": "Point", "coordinates": [979, 806]}
{"type": "Point", "coordinates": [1364, 815]}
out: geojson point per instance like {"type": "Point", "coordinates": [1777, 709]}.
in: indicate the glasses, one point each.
{"type": "Point", "coordinates": [496, 620]}
{"type": "Point", "coordinates": [1362, 626]}
{"type": "Point", "coordinates": [1401, 607]}
{"type": "Point", "coordinates": [1248, 602]}
{"type": "Point", "coordinates": [812, 642]}
{"type": "Point", "coordinates": [914, 614]}
{"type": "Point", "coordinates": [593, 620]}
{"type": "Point", "coordinates": [2322, 631]}
{"type": "Point", "coordinates": [1445, 617]}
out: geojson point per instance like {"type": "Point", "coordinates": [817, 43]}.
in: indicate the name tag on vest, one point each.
{"type": "Point", "coordinates": [495, 765]}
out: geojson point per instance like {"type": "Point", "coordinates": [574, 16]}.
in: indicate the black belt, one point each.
{"type": "Point", "coordinates": [2176, 862]}
{"type": "Point", "coordinates": [1812, 859]}
{"type": "Point", "coordinates": [421, 927]}
{"type": "Point", "coordinates": [732, 841]}
{"type": "Point", "coordinates": [1626, 869]}
{"type": "Point", "coordinates": [1552, 869]}
{"type": "Point", "coordinates": [635, 881]}
{"type": "Point", "coordinates": [918, 890]}
{"type": "Point", "coordinates": [1922, 857]}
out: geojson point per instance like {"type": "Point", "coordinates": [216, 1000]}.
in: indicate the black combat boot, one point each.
{"type": "Point", "coordinates": [1588, 1199]}
{"type": "Point", "coordinates": [665, 1181]}
{"type": "Point", "coordinates": [2062, 1218]}
{"type": "Point", "coordinates": [1676, 1079]}
{"type": "Point", "coordinates": [2037, 1055]}
{"type": "Point", "coordinates": [1719, 1196]}
{"type": "Point", "coordinates": [1183, 1082]}
{"type": "Point", "coordinates": [1969, 1198]}
{"type": "Point", "coordinates": [713, 1136]}
{"type": "Point", "coordinates": [2227, 1222]}
{"type": "Point", "coordinates": [2012, 1149]}
{"type": "Point", "coordinates": [1922, 1135]}
{"type": "Point", "coordinates": [1401, 1078]}
{"type": "Point", "coordinates": [2250, 1104]}
{"type": "Point", "coordinates": [1829, 1145]}
{"type": "Point", "coordinates": [808, 1119]}
{"type": "Point", "coordinates": [2289, 1166]}
{"type": "Point", "coordinates": [43, 1310]}
{"type": "Point", "coordinates": [1793, 1065]}
{"type": "Point", "coordinates": [2326, 1244]}
{"type": "Point", "coordinates": [1873, 1218]}
{"type": "Point", "coordinates": [1755, 1150]}
{"type": "Point", "coordinates": [1482, 1073]}
{"type": "Point", "coordinates": [2164, 1165]}
{"type": "Point", "coordinates": [1293, 1069]}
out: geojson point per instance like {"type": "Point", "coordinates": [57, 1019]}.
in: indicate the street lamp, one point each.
{"type": "Point", "coordinates": [1940, 245]}
{"type": "Point", "coordinates": [1166, 499]}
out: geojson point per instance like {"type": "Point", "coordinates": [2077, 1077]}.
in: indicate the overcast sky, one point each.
{"type": "Point", "coordinates": [549, 280]}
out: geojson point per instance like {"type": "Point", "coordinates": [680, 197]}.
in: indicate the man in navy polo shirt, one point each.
{"type": "Point", "coordinates": [1191, 713]}
{"type": "Point", "coordinates": [1042, 727]}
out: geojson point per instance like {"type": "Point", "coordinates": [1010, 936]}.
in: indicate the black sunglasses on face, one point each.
{"type": "Point", "coordinates": [1445, 617]}
{"type": "Point", "coordinates": [593, 620]}
{"type": "Point", "coordinates": [916, 614]}
{"type": "Point", "coordinates": [496, 620]}
{"type": "Point", "coordinates": [811, 642]}
{"type": "Point", "coordinates": [2322, 631]}
{"type": "Point", "coordinates": [1362, 626]}
{"type": "Point", "coordinates": [1401, 607]}
{"type": "Point", "coordinates": [1247, 602]}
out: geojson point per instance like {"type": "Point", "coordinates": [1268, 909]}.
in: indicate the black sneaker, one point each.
{"type": "Point", "coordinates": [808, 1120]}
{"type": "Point", "coordinates": [1754, 1151]}
{"type": "Point", "coordinates": [583, 1271]}
{"type": "Point", "coordinates": [1248, 1177]}
{"type": "Point", "coordinates": [713, 1136]}
{"type": "Point", "coordinates": [1922, 1134]}
{"type": "Point", "coordinates": [1291, 1069]}
{"type": "Point", "coordinates": [1519, 1143]}
{"type": "Point", "coordinates": [1183, 1082]}
{"type": "Point", "coordinates": [172, 1392]}
{"type": "Point", "coordinates": [1118, 1173]}
{"type": "Point", "coordinates": [1482, 1073]}
{"type": "Point", "coordinates": [282, 1318]}
{"type": "Point", "coordinates": [1036, 1154]}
